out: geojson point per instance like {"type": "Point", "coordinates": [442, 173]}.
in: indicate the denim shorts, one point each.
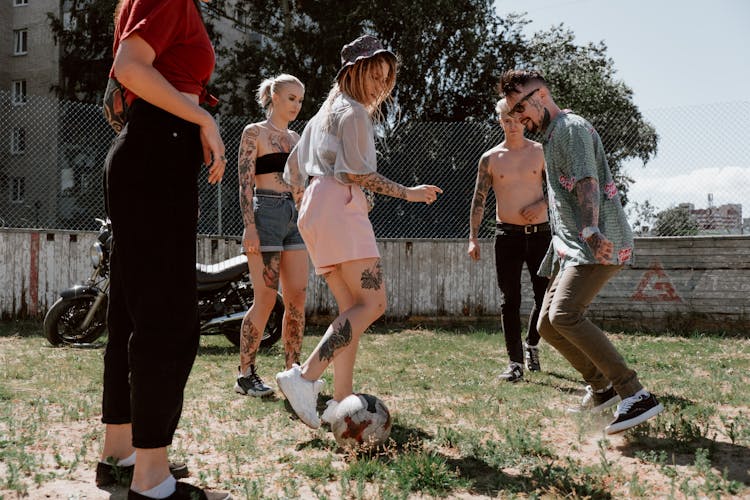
{"type": "Point", "coordinates": [276, 221]}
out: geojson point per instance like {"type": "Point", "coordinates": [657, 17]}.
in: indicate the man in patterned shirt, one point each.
{"type": "Point", "coordinates": [591, 241]}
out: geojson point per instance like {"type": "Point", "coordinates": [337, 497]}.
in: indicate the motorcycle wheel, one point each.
{"type": "Point", "coordinates": [271, 334]}
{"type": "Point", "coordinates": [62, 322]}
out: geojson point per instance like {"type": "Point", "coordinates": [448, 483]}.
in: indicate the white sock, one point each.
{"type": "Point", "coordinates": [643, 394]}
{"type": "Point", "coordinates": [127, 461]}
{"type": "Point", "coordinates": [163, 490]}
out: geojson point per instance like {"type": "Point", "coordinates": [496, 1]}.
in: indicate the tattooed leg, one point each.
{"type": "Point", "coordinates": [372, 279]}
{"type": "Point", "coordinates": [294, 326]}
{"type": "Point", "coordinates": [249, 341]}
{"type": "Point", "coordinates": [336, 337]}
{"type": "Point", "coordinates": [271, 269]}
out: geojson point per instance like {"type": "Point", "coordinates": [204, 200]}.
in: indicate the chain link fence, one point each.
{"type": "Point", "coordinates": [52, 155]}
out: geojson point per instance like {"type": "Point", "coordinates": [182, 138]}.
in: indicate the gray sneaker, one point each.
{"type": "Point", "coordinates": [302, 394]}
{"type": "Point", "coordinates": [596, 401]}
{"type": "Point", "coordinates": [513, 373]}
{"type": "Point", "coordinates": [251, 384]}
{"type": "Point", "coordinates": [532, 358]}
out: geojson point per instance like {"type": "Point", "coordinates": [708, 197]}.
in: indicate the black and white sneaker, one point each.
{"type": "Point", "coordinates": [596, 401]}
{"type": "Point", "coordinates": [513, 373]}
{"type": "Point", "coordinates": [532, 358]}
{"type": "Point", "coordinates": [251, 385]}
{"type": "Point", "coordinates": [633, 411]}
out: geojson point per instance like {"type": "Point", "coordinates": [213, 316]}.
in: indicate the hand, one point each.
{"type": "Point", "coordinates": [601, 247]}
{"type": "Point", "coordinates": [424, 193]}
{"type": "Point", "coordinates": [251, 241]}
{"type": "Point", "coordinates": [213, 151]}
{"type": "Point", "coordinates": [474, 249]}
{"type": "Point", "coordinates": [534, 212]}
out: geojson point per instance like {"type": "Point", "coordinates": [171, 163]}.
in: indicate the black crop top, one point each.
{"type": "Point", "coordinates": [270, 163]}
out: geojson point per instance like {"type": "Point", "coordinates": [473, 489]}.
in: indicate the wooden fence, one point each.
{"type": "Point", "coordinates": [686, 283]}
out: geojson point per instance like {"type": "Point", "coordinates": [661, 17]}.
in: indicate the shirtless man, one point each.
{"type": "Point", "coordinates": [514, 170]}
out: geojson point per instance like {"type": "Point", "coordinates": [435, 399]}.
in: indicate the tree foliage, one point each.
{"type": "Point", "coordinates": [676, 221]}
{"type": "Point", "coordinates": [583, 78]}
{"type": "Point", "coordinates": [452, 54]}
{"type": "Point", "coordinates": [85, 39]}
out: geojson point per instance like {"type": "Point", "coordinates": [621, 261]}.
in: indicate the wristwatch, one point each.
{"type": "Point", "coordinates": [588, 231]}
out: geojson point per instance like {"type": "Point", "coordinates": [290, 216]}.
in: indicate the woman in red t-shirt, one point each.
{"type": "Point", "coordinates": [163, 57]}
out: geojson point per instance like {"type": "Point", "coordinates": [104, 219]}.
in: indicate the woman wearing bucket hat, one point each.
{"type": "Point", "coordinates": [337, 154]}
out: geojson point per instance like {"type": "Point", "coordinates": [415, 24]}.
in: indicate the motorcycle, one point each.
{"type": "Point", "coordinates": [79, 316]}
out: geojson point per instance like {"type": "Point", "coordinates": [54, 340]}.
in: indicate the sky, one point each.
{"type": "Point", "coordinates": [688, 64]}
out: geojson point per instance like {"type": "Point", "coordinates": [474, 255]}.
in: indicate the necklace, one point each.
{"type": "Point", "coordinates": [275, 127]}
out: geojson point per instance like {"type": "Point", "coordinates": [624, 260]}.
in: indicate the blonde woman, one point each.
{"type": "Point", "coordinates": [274, 248]}
{"type": "Point", "coordinates": [337, 153]}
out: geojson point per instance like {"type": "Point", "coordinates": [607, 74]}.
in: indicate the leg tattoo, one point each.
{"type": "Point", "coordinates": [271, 269]}
{"type": "Point", "coordinates": [294, 326]}
{"type": "Point", "coordinates": [334, 339]}
{"type": "Point", "coordinates": [373, 278]}
{"type": "Point", "coordinates": [249, 339]}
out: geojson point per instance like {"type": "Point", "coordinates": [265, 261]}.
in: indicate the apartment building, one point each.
{"type": "Point", "coordinates": [29, 68]}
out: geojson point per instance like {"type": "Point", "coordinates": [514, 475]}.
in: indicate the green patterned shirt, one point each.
{"type": "Point", "coordinates": [573, 151]}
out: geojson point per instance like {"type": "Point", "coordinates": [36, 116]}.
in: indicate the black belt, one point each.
{"type": "Point", "coordinates": [285, 195]}
{"type": "Point", "coordinates": [527, 229]}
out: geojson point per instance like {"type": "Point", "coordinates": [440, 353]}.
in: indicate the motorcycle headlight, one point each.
{"type": "Point", "coordinates": [96, 252]}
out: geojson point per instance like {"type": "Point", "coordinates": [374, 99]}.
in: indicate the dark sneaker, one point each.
{"type": "Point", "coordinates": [532, 358]}
{"type": "Point", "coordinates": [596, 401]}
{"type": "Point", "coordinates": [252, 384]}
{"type": "Point", "coordinates": [109, 473]}
{"type": "Point", "coordinates": [633, 411]}
{"type": "Point", "coordinates": [513, 373]}
{"type": "Point", "coordinates": [185, 491]}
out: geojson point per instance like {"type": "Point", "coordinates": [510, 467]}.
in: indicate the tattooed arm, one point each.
{"type": "Point", "coordinates": [246, 176]}
{"type": "Point", "coordinates": [587, 193]}
{"type": "Point", "coordinates": [378, 183]}
{"type": "Point", "coordinates": [481, 188]}
{"type": "Point", "coordinates": [294, 177]}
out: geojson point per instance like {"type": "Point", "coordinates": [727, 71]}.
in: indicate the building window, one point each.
{"type": "Point", "coordinates": [18, 3]}
{"type": "Point", "coordinates": [19, 91]}
{"type": "Point", "coordinates": [20, 42]}
{"type": "Point", "coordinates": [17, 189]}
{"type": "Point", "coordinates": [18, 140]}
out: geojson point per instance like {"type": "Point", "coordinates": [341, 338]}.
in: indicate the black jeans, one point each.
{"type": "Point", "coordinates": [152, 200]}
{"type": "Point", "coordinates": [513, 247]}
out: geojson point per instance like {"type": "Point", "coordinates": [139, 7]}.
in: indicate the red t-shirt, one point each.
{"type": "Point", "coordinates": [175, 31]}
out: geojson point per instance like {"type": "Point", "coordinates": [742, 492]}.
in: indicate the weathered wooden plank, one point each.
{"type": "Point", "coordinates": [433, 279]}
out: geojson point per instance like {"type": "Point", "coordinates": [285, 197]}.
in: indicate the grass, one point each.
{"type": "Point", "coordinates": [457, 430]}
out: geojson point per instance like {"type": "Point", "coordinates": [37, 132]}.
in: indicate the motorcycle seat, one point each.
{"type": "Point", "coordinates": [227, 270]}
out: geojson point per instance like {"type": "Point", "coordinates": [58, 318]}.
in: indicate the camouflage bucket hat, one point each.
{"type": "Point", "coordinates": [364, 47]}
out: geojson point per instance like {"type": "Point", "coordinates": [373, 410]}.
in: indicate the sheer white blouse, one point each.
{"type": "Point", "coordinates": [338, 140]}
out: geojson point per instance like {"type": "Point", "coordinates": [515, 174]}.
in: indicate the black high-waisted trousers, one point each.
{"type": "Point", "coordinates": [152, 200]}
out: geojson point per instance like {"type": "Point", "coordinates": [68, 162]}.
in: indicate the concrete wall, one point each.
{"type": "Point", "coordinates": [676, 283]}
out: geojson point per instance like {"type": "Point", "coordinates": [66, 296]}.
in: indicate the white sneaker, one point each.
{"type": "Point", "coordinates": [302, 394]}
{"type": "Point", "coordinates": [329, 414]}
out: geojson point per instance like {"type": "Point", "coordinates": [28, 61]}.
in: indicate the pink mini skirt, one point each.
{"type": "Point", "coordinates": [333, 221]}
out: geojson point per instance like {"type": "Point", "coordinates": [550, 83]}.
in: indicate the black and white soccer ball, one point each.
{"type": "Point", "coordinates": [361, 420]}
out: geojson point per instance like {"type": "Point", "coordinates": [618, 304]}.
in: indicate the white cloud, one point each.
{"type": "Point", "coordinates": [727, 184]}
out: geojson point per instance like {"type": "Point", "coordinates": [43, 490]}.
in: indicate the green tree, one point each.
{"type": "Point", "coordinates": [642, 216]}
{"type": "Point", "coordinates": [451, 53]}
{"type": "Point", "coordinates": [675, 221]}
{"type": "Point", "coordinates": [84, 29]}
{"type": "Point", "coordinates": [84, 34]}
{"type": "Point", "coordinates": [583, 78]}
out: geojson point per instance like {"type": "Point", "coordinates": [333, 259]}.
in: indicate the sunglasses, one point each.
{"type": "Point", "coordinates": [520, 107]}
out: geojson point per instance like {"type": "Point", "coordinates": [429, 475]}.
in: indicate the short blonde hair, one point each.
{"type": "Point", "coordinates": [269, 86]}
{"type": "Point", "coordinates": [502, 108]}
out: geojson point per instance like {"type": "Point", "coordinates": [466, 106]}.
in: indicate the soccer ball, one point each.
{"type": "Point", "coordinates": [361, 420]}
